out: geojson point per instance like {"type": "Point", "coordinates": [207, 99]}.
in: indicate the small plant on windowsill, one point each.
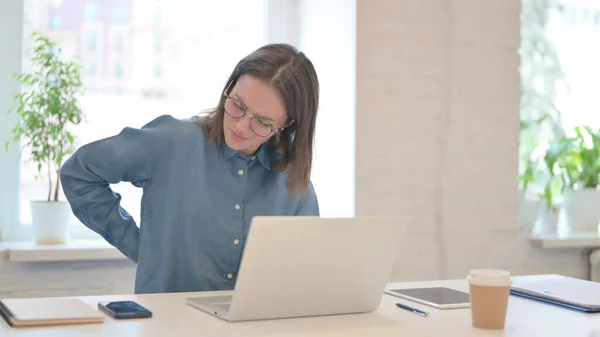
{"type": "Point", "coordinates": [575, 165]}
{"type": "Point", "coordinates": [47, 106]}
{"type": "Point", "coordinates": [532, 172]}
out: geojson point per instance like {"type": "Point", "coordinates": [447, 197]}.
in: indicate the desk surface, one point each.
{"type": "Point", "coordinates": [173, 317]}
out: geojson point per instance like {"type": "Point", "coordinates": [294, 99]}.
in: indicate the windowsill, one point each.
{"type": "Point", "coordinates": [572, 240]}
{"type": "Point", "coordinates": [74, 250]}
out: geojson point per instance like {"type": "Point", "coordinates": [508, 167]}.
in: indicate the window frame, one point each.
{"type": "Point", "coordinates": [10, 161]}
{"type": "Point", "coordinates": [280, 24]}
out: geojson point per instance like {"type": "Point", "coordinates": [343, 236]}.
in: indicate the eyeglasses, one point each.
{"type": "Point", "coordinates": [234, 108]}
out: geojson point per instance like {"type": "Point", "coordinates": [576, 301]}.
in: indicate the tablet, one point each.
{"type": "Point", "coordinates": [437, 297]}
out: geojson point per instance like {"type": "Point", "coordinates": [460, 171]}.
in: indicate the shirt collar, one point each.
{"type": "Point", "coordinates": [225, 151]}
{"type": "Point", "coordinates": [264, 154]}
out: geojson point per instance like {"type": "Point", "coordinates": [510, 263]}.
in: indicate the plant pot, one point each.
{"type": "Point", "coordinates": [528, 213]}
{"type": "Point", "coordinates": [547, 221]}
{"type": "Point", "coordinates": [581, 210]}
{"type": "Point", "coordinates": [51, 221]}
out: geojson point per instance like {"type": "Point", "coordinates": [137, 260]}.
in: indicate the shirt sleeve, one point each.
{"type": "Point", "coordinates": [309, 204]}
{"type": "Point", "coordinates": [127, 157]}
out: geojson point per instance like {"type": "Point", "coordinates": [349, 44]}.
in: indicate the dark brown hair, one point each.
{"type": "Point", "coordinates": [293, 76]}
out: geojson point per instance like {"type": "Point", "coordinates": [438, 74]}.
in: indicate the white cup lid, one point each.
{"type": "Point", "coordinates": [489, 277]}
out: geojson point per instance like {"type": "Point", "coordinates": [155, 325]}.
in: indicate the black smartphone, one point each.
{"type": "Point", "coordinates": [124, 309]}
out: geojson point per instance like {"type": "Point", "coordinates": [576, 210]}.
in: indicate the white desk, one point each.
{"type": "Point", "coordinates": [172, 317]}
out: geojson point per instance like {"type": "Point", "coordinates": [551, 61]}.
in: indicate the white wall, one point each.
{"type": "Point", "coordinates": [436, 133]}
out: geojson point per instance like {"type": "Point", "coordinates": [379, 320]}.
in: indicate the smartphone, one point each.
{"type": "Point", "coordinates": [124, 309]}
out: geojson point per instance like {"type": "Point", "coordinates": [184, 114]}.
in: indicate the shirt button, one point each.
{"type": "Point", "coordinates": [237, 207]}
{"type": "Point", "coordinates": [229, 276]}
{"type": "Point", "coordinates": [252, 158]}
{"type": "Point", "coordinates": [236, 242]}
{"type": "Point", "coordinates": [240, 172]}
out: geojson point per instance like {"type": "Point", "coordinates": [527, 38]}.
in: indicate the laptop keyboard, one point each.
{"type": "Point", "coordinates": [220, 299]}
{"type": "Point", "coordinates": [221, 302]}
{"type": "Point", "coordinates": [223, 307]}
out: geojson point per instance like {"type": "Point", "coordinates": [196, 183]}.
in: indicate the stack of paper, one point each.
{"type": "Point", "coordinates": [559, 290]}
{"type": "Point", "coordinates": [48, 311]}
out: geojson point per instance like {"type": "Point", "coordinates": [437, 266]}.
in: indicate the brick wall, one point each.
{"type": "Point", "coordinates": [437, 128]}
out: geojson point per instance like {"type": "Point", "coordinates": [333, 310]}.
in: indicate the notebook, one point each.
{"type": "Point", "coordinates": [562, 291]}
{"type": "Point", "coordinates": [48, 311]}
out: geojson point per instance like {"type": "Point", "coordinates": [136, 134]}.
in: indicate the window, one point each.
{"type": "Point", "coordinates": [118, 72]}
{"type": "Point", "coordinates": [118, 43]}
{"type": "Point", "coordinates": [91, 11]}
{"type": "Point", "coordinates": [158, 16]}
{"type": "Point", "coordinates": [56, 22]}
{"type": "Point", "coordinates": [572, 37]}
{"type": "Point", "coordinates": [119, 14]}
{"type": "Point", "coordinates": [158, 44]}
{"type": "Point", "coordinates": [186, 30]}
{"type": "Point", "coordinates": [563, 75]}
{"type": "Point", "coordinates": [91, 41]}
{"type": "Point", "coordinates": [192, 27]}
{"type": "Point", "coordinates": [158, 72]}
{"type": "Point", "coordinates": [91, 68]}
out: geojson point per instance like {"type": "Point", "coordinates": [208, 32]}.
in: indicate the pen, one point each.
{"type": "Point", "coordinates": [415, 310]}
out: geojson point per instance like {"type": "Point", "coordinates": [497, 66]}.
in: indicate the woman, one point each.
{"type": "Point", "coordinates": [205, 178]}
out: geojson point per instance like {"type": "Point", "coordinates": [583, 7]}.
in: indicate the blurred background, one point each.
{"type": "Point", "coordinates": [144, 58]}
{"type": "Point", "coordinates": [461, 114]}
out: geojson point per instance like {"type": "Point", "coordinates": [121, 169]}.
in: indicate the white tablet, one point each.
{"type": "Point", "coordinates": [437, 297]}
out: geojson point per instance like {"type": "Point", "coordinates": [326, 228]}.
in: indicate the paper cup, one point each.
{"type": "Point", "coordinates": [489, 292]}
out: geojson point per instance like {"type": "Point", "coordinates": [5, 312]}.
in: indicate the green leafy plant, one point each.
{"type": "Point", "coordinates": [528, 175]}
{"type": "Point", "coordinates": [47, 105]}
{"type": "Point", "coordinates": [529, 169]}
{"type": "Point", "coordinates": [574, 162]}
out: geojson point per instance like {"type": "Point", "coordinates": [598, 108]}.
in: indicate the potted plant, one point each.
{"type": "Point", "coordinates": [528, 209]}
{"type": "Point", "coordinates": [542, 77]}
{"type": "Point", "coordinates": [575, 164]}
{"type": "Point", "coordinates": [531, 173]}
{"type": "Point", "coordinates": [550, 189]}
{"type": "Point", "coordinates": [47, 106]}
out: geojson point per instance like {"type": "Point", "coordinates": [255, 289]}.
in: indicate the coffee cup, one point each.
{"type": "Point", "coordinates": [489, 291]}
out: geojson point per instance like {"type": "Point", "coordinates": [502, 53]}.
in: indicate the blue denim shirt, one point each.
{"type": "Point", "coordinates": [198, 201]}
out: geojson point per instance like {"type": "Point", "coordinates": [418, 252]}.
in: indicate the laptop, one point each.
{"type": "Point", "coordinates": [300, 266]}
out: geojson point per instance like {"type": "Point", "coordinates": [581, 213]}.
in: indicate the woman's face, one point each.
{"type": "Point", "coordinates": [264, 114]}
